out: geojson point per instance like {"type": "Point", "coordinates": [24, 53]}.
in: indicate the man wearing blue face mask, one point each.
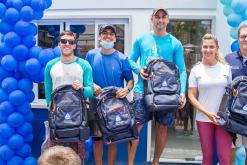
{"type": "Point", "coordinates": [110, 68]}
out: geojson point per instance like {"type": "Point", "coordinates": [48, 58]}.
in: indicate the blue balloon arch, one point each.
{"type": "Point", "coordinates": [21, 64]}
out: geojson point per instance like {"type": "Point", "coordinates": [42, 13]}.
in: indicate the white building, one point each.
{"type": "Point", "coordinates": [190, 19]}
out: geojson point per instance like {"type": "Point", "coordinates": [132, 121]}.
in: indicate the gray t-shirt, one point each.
{"type": "Point", "coordinates": [210, 82]}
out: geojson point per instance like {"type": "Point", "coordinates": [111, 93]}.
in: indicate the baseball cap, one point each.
{"type": "Point", "coordinates": [107, 26]}
{"type": "Point", "coordinates": [158, 9]}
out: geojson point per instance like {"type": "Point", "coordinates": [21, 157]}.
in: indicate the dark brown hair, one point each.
{"type": "Point", "coordinates": [67, 32]}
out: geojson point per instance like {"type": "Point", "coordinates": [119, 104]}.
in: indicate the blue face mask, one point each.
{"type": "Point", "coordinates": [106, 45]}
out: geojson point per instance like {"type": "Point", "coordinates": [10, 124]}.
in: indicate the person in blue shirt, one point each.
{"type": "Point", "coordinates": [110, 68]}
{"type": "Point", "coordinates": [238, 62]}
{"type": "Point", "coordinates": [155, 44]}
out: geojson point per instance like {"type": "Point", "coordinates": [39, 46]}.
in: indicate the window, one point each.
{"type": "Point", "coordinates": [87, 36]}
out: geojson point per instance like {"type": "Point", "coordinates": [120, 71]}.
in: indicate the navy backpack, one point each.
{"type": "Point", "coordinates": [233, 108]}
{"type": "Point", "coordinates": [162, 87]}
{"type": "Point", "coordinates": [68, 115]}
{"type": "Point", "coordinates": [116, 117]}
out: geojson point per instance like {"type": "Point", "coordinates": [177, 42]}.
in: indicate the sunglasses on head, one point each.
{"type": "Point", "coordinates": [65, 41]}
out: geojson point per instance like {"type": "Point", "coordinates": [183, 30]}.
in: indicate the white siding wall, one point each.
{"type": "Point", "coordinates": [139, 12]}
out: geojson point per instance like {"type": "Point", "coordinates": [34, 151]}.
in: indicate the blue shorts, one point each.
{"type": "Point", "coordinates": [142, 115]}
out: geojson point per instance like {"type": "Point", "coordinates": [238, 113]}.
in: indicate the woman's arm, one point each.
{"type": "Point", "coordinates": [192, 92]}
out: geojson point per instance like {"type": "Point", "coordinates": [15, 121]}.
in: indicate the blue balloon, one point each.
{"type": "Point", "coordinates": [227, 11]}
{"type": "Point", "coordinates": [16, 160]}
{"type": "Point", "coordinates": [2, 10]}
{"type": "Point", "coordinates": [25, 129]}
{"type": "Point", "coordinates": [3, 95]}
{"type": "Point", "coordinates": [226, 2]}
{"type": "Point", "coordinates": [34, 52]}
{"type": "Point", "coordinates": [27, 2]}
{"type": "Point", "coordinates": [48, 3]}
{"type": "Point", "coordinates": [51, 30]}
{"type": "Point", "coordinates": [234, 19]}
{"type": "Point", "coordinates": [17, 97]}
{"type": "Point", "coordinates": [9, 84]}
{"type": "Point", "coordinates": [235, 46]}
{"type": "Point", "coordinates": [6, 130]}
{"type": "Point", "coordinates": [45, 56]}
{"type": "Point", "coordinates": [33, 29]}
{"type": "Point", "coordinates": [8, 4]}
{"type": "Point", "coordinates": [57, 51]}
{"type": "Point", "coordinates": [2, 119]}
{"type": "Point", "coordinates": [38, 78]}
{"type": "Point", "coordinates": [12, 39]}
{"type": "Point", "coordinates": [24, 108]}
{"type": "Point", "coordinates": [17, 4]}
{"type": "Point", "coordinates": [26, 13]}
{"type": "Point", "coordinates": [29, 41]}
{"type": "Point", "coordinates": [5, 27]}
{"type": "Point", "coordinates": [89, 144]}
{"type": "Point", "coordinates": [24, 151]}
{"type": "Point", "coordinates": [30, 96]}
{"type": "Point", "coordinates": [2, 142]}
{"type": "Point", "coordinates": [33, 66]}
{"type": "Point", "coordinates": [6, 152]}
{"type": "Point", "coordinates": [29, 116]}
{"type": "Point", "coordinates": [37, 15]}
{"type": "Point", "coordinates": [22, 28]}
{"type": "Point", "coordinates": [6, 108]}
{"type": "Point", "coordinates": [2, 1]}
{"type": "Point", "coordinates": [17, 75]}
{"type": "Point", "coordinates": [9, 63]}
{"type": "Point", "coordinates": [38, 5]}
{"type": "Point", "coordinates": [30, 161]}
{"type": "Point", "coordinates": [87, 156]}
{"type": "Point", "coordinates": [25, 85]}
{"type": "Point", "coordinates": [4, 49]}
{"type": "Point", "coordinates": [81, 28]}
{"type": "Point", "coordinates": [15, 141]}
{"type": "Point", "coordinates": [15, 119]}
{"type": "Point", "coordinates": [28, 138]}
{"type": "Point", "coordinates": [20, 52]}
{"type": "Point", "coordinates": [240, 156]}
{"type": "Point", "coordinates": [238, 6]}
{"type": "Point", "coordinates": [4, 73]}
{"type": "Point", "coordinates": [22, 67]}
{"type": "Point", "coordinates": [245, 14]}
{"type": "Point", "coordinates": [11, 15]}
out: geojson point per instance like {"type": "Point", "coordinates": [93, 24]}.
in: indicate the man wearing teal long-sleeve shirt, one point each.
{"type": "Point", "coordinates": [68, 70]}
{"type": "Point", "coordinates": [155, 44]}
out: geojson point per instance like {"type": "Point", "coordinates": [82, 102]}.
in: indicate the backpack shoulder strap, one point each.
{"type": "Point", "coordinates": [237, 80]}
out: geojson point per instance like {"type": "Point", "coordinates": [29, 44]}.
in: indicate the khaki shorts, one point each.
{"type": "Point", "coordinates": [241, 140]}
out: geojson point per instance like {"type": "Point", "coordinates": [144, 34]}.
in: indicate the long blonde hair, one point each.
{"type": "Point", "coordinates": [219, 55]}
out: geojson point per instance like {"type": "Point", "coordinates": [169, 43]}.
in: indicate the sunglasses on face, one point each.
{"type": "Point", "coordinates": [65, 41]}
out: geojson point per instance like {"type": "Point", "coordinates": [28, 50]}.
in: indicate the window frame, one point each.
{"type": "Point", "coordinates": [64, 25]}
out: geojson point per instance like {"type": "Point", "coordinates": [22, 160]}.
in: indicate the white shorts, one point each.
{"type": "Point", "coordinates": [241, 140]}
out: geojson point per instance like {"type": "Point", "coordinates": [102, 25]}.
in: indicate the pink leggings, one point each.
{"type": "Point", "coordinates": [207, 131]}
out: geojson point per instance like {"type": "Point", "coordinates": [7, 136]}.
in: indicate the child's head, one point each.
{"type": "Point", "coordinates": [59, 155]}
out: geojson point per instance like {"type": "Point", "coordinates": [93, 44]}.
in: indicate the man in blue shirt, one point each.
{"type": "Point", "coordinates": [110, 68]}
{"type": "Point", "coordinates": [238, 62]}
{"type": "Point", "coordinates": [156, 44]}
